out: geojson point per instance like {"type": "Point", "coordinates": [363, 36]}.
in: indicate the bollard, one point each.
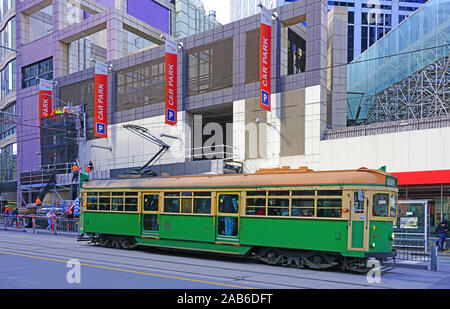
{"type": "Point", "coordinates": [433, 261]}
{"type": "Point", "coordinates": [33, 223]}
{"type": "Point", "coordinates": [18, 222]}
{"type": "Point", "coordinates": [68, 229]}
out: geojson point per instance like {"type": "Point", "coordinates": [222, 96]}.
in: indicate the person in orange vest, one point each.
{"type": "Point", "coordinates": [75, 172]}
{"type": "Point", "coordinates": [38, 202]}
{"type": "Point", "coordinates": [52, 114]}
{"type": "Point", "coordinates": [45, 115]}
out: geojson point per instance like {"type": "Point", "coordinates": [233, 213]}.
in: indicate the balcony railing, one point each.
{"type": "Point", "coordinates": [388, 127]}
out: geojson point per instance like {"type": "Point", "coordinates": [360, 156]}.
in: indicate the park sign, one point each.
{"type": "Point", "coordinates": [45, 97]}
{"type": "Point", "coordinates": [265, 43]}
{"type": "Point", "coordinates": [171, 62]}
{"type": "Point", "coordinates": [101, 99]}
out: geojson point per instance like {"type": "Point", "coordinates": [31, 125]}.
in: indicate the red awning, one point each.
{"type": "Point", "coordinates": [423, 178]}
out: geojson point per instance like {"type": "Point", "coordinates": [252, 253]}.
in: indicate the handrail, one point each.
{"type": "Point", "coordinates": [388, 127]}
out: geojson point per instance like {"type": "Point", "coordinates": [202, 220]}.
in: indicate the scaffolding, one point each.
{"type": "Point", "coordinates": [60, 135]}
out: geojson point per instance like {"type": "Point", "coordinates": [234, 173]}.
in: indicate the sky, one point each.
{"type": "Point", "coordinates": [222, 8]}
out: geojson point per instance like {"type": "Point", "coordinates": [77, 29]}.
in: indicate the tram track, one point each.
{"type": "Point", "coordinates": [204, 270]}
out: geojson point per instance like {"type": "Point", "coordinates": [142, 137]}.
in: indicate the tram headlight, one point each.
{"type": "Point", "coordinates": [392, 236]}
{"type": "Point", "coordinates": [373, 245]}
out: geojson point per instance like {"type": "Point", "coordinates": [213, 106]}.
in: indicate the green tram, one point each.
{"type": "Point", "coordinates": [280, 216]}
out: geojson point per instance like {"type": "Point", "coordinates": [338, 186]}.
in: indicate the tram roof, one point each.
{"type": "Point", "coordinates": [262, 178]}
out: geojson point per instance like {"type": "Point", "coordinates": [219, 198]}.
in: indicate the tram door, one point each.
{"type": "Point", "coordinates": [358, 222]}
{"type": "Point", "coordinates": [227, 217]}
{"type": "Point", "coordinates": [150, 214]}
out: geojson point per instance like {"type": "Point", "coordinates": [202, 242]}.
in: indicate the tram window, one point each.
{"type": "Point", "coordinates": [329, 208]}
{"type": "Point", "coordinates": [358, 206]}
{"type": "Point", "coordinates": [380, 205]}
{"type": "Point", "coordinates": [259, 210]}
{"type": "Point", "coordinates": [151, 222]}
{"type": "Point", "coordinates": [151, 202]}
{"type": "Point", "coordinates": [92, 203]}
{"type": "Point", "coordinates": [303, 193]}
{"type": "Point", "coordinates": [104, 203]}
{"type": "Point", "coordinates": [202, 205]}
{"type": "Point", "coordinates": [202, 193]}
{"type": "Point", "coordinates": [131, 203]}
{"type": "Point", "coordinates": [329, 192]}
{"type": "Point", "coordinates": [131, 193]}
{"type": "Point", "coordinates": [256, 193]}
{"type": "Point", "coordinates": [278, 207]}
{"type": "Point", "coordinates": [117, 193]}
{"type": "Point", "coordinates": [172, 205]}
{"type": "Point", "coordinates": [279, 193]}
{"type": "Point", "coordinates": [104, 194]}
{"type": "Point", "coordinates": [117, 204]}
{"type": "Point", "coordinates": [302, 207]}
{"type": "Point", "coordinates": [393, 205]}
{"type": "Point", "coordinates": [227, 226]}
{"type": "Point", "coordinates": [185, 194]}
{"type": "Point", "coordinates": [186, 205]}
{"type": "Point", "coordinates": [229, 203]}
{"type": "Point", "coordinates": [92, 194]}
{"type": "Point", "coordinates": [172, 194]}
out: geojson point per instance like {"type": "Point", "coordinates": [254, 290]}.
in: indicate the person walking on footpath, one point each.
{"type": "Point", "coordinates": [442, 234]}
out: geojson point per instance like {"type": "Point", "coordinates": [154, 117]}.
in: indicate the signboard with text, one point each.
{"type": "Point", "coordinates": [45, 97]}
{"type": "Point", "coordinates": [265, 45]}
{"type": "Point", "coordinates": [101, 100]}
{"type": "Point", "coordinates": [171, 58]}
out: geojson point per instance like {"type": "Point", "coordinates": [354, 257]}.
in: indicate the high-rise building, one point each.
{"type": "Point", "coordinates": [8, 119]}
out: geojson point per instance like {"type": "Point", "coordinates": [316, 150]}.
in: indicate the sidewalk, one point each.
{"type": "Point", "coordinates": [39, 231]}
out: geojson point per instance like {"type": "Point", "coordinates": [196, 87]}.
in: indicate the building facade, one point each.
{"type": "Point", "coordinates": [368, 20]}
{"type": "Point", "coordinates": [58, 38]}
{"type": "Point", "coordinates": [221, 127]}
{"type": "Point", "coordinates": [8, 118]}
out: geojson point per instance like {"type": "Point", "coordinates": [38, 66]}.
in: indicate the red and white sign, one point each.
{"type": "Point", "coordinates": [171, 81]}
{"type": "Point", "coordinates": [265, 45]}
{"type": "Point", "coordinates": [101, 100]}
{"type": "Point", "coordinates": [45, 97]}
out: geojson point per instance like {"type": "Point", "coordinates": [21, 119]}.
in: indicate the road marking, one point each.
{"type": "Point", "coordinates": [129, 271]}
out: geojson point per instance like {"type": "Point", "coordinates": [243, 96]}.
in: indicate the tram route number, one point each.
{"type": "Point", "coordinates": [233, 298]}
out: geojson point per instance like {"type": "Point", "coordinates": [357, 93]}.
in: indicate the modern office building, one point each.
{"type": "Point", "coordinates": [8, 119]}
{"type": "Point", "coordinates": [221, 127]}
{"type": "Point", "coordinates": [399, 109]}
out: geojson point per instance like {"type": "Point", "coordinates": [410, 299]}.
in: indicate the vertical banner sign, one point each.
{"type": "Point", "coordinates": [45, 97]}
{"type": "Point", "coordinates": [265, 43]}
{"type": "Point", "coordinates": [171, 81]}
{"type": "Point", "coordinates": [101, 99]}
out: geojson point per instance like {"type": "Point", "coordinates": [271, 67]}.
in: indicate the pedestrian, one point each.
{"type": "Point", "coordinates": [38, 202]}
{"type": "Point", "coordinates": [75, 172]}
{"type": "Point", "coordinates": [14, 214]}
{"type": "Point", "coordinates": [91, 166]}
{"type": "Point", "coordinates": [50, 216]}
{"type": "Point", "coordinates": [6, 214]}
{"type": "Point", "coordinates": [442, 234]}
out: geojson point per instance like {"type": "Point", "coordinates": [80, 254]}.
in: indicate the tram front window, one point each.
{"type": "Point", "coordinates": [380, 205]}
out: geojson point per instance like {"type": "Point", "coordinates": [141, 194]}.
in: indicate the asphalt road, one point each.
{"type": "Point", "coordinates": [46, 261]}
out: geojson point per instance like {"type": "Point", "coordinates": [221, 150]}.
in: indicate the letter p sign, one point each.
{"type": "Point", "coordinates": [265, 98]}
